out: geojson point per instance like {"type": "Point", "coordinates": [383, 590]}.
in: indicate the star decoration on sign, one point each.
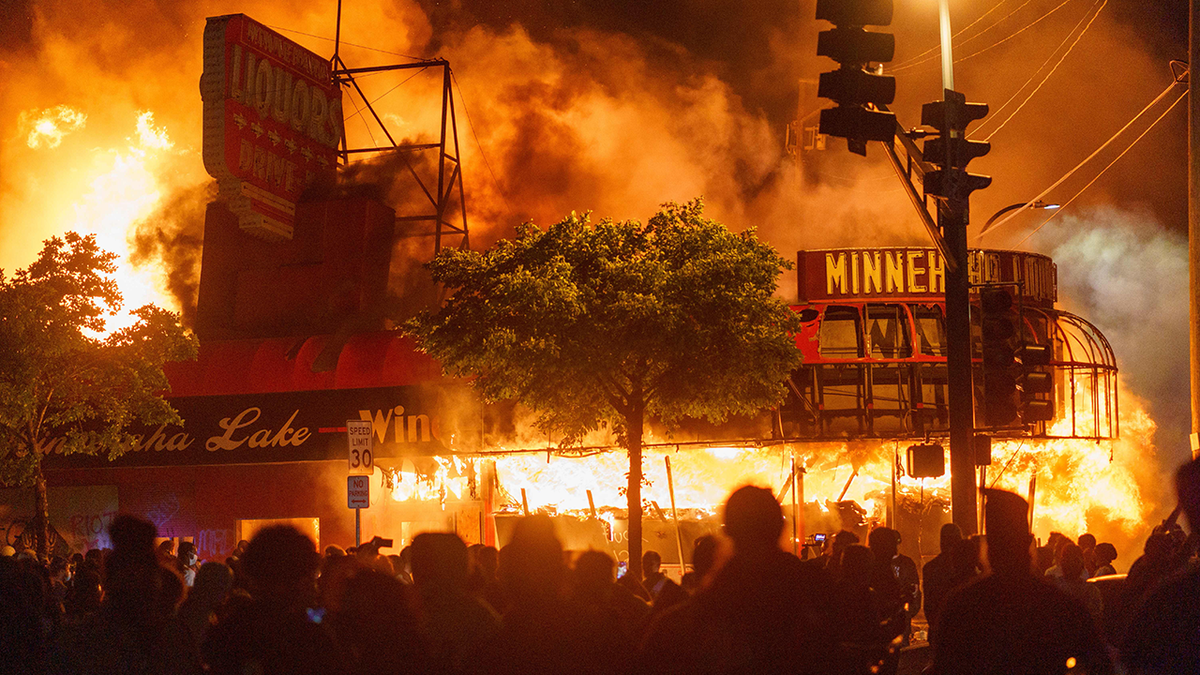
{"type": "Point", "coordinates": [239, 120]}
{"type": "Point", "coordinates": [257, 129]}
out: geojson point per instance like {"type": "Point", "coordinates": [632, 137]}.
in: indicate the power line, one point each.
{"type": "Point", "coordinates": [479, 145]}
{"type": "Point", "coordinates": [1048, 74]}
{"type": "Point", "coordinates": [377, 98]}
{"type": "Point", "coordinates": [938, 47]}
{"type": "Point", "coordinates": [349, 44]}
{"type": "Point", "coordinates": [997, 44]}
{"type": "Point", "coordinates": [1106, 168]}
{"type": "Point", "coordinates": [1089, 158]}
{"type": "Point", "coordinates": [1035, 22]}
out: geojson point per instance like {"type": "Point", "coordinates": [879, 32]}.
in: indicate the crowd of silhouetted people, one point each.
{"type": "Point", "coordinates": [993, 604]}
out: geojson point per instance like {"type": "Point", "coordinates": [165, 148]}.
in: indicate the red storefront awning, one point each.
{"type": "Point", "coordinates": [320, 362]}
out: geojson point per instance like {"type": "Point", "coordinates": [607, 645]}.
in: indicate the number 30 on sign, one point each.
{"type": "Point", "coordinates": [361, 441]}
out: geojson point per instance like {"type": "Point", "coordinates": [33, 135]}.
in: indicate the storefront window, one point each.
{"type": "Point", "coordinates": [887, 331]}
{"type": "Point", "coordinates": [931, 329]}
{"type": "Point", "coordinates": [841, 333]}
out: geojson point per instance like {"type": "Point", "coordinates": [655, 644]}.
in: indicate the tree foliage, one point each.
{"type": "Point", "coordinates": [64, 385]}
{"type": "Point", "coordinates": [612, 322]}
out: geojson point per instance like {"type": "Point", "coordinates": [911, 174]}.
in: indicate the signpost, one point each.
{"type": "Point", "coordinates": [360, 441]}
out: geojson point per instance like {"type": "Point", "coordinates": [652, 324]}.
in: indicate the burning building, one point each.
{"type": "Point", "coordinates": [295, 278]}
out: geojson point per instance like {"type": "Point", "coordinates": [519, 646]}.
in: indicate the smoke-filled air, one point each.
{"type": "Point", "coordinates": [616, 107]}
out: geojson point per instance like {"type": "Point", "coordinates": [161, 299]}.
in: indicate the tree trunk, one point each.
{"type": "Point", "coordinates": [634, 492]}
{"type": "Point", "coordinates": [41, 513]}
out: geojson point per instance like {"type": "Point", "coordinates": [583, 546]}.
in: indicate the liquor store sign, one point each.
{"type": "Point", "coordinates": [272, 122]}
{"type": "Point", "coordinates": [865, 274]}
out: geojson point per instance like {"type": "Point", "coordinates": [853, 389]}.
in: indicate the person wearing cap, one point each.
{"type": "Point", "coordinates": [1011, 621]}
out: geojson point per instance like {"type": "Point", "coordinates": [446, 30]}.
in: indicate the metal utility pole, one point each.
{"type": "Point", "coordinates": [952, 220]}
{"type": "Point", "coordinates": [1194, 222]}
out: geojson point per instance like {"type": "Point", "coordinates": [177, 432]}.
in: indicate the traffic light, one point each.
{"type": "Point", "coordinates": [999, 329]}
{"type": "Point", "coordinates": [857, 91]}
{"type": "Point", "coordinates": [1018, 384]}
{"type": "Point", "coordinates": [1036, 383]}
{"type": "Point", "coordinates": [950, 150]}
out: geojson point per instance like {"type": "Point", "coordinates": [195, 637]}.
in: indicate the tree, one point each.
{"type": "Point", "coordinates": [65, 387]}
{"type": "Point", "coordinates": [611, 323]}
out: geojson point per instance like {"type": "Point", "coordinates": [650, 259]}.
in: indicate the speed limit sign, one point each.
{"type": "Point", "coordinates": [361, 441]}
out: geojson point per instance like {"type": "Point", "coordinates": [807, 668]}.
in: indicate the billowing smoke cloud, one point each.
{"type": "Point", "coordinates": [1126, 274]}
{"type": "Point", "coordinates": [173, 236]}
{"type": "Point", "coordinates": [616, 108]}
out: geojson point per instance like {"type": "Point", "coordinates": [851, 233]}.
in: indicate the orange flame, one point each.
{"type": "Point", "coordinates": [1106, 488]}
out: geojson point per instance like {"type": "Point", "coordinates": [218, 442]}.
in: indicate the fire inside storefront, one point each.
{"type": "Point", "coordinates": [296, 273]}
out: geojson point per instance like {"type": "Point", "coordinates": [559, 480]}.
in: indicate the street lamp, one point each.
{"type": "Point", "coordinates": [1039, 204]}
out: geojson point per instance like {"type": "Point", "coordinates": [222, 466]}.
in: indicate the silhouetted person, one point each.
{"type": "Point", "coordinates": [542, 632]}
{"type": "Point", "coordinates": [483, 583]}
{"type": "Point", "coordinates": [860, 637]}
{"type": "Point", "coordinates": [1106, 554]}
{"type": "Point", "coordinates": [135, 630]}
{"type": "Point", "coordinates": [1164, 636]}
{"type": "Point", "coordinates": [275, 632]}
{"type": "Point", "coordinates": [1074, 583]}
{"type": "Point", "coordinates": [609, 605]}
{"type": "Point", "coordinates": [757, 614]}
{"type": "Point", "coordinates": [188, 562]}
{"type": "Point", "coordinates": [1087, 544]}
{"type": "Point", "coordinates": [665, 592]}
{"type": "Point", "coordinates": [892, 596]}
{"type": "Point", "coordinates": [376, 628]}
{"type": "Point", "coordinates": [84, 596]}
{"type": "Point", "coordinates": [1155, 564]}
{"type": "Point", "coordinates": [704, 558]}
{"type": "Point", "coordinates": [1010, 621]}
{"type": "Point", "coordinates": [938, 575]}
{"type": "Point", "coordinates": [22, 618]}
{"type": "Point", "coordinates": [213, 583]}
{"type": "Point", "coordinates": [456, 625]}
{"type": "Point", "coordinates": [841, 541]}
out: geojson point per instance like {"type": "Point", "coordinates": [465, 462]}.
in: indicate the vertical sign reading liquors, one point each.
{"type": "Point", "coordinates": [272, 122]}
{"type": "Point", "coordinates": [361, 442]}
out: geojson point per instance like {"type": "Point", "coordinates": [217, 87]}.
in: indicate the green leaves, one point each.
{"type": "Point", "coordinates": [64, 387]}
{"type": "Point", "coordinates": [589, 322]}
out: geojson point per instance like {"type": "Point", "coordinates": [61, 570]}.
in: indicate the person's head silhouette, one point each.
{"type": "Point", "coordinates": [949, 535]}
{"type": "Point", "coordinates": [1187, 486]}
{"type": "Point", "coordinates": [282, 563]}
{"type": "Point", "coordinates": [439, 562]}
{"type": "Point", "coordinates": [884, 543]}
{"type": "Point", "coordinates": [1006, 517]}
{"type": "Point", "coordinates": [753, 519]}
{"type": "Point", "coordinates": [1072, 562]}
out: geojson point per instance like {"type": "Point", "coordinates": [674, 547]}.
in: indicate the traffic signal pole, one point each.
{"type": "Point", "coordinates": [861, 115]}
{"type": "Point", "coordinates": [952, 219]}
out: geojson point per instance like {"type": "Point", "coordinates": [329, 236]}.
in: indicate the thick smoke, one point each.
{"type": "Point", "coordinates": [1126, 274]}
{"type": "Point", "coordinates": [173, 236]}
{"type": "Point", "coordinates": [618, 107]}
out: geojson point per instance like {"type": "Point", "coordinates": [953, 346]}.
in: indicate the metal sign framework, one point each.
{"type": "Point", "coordinates": [449, 219]}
